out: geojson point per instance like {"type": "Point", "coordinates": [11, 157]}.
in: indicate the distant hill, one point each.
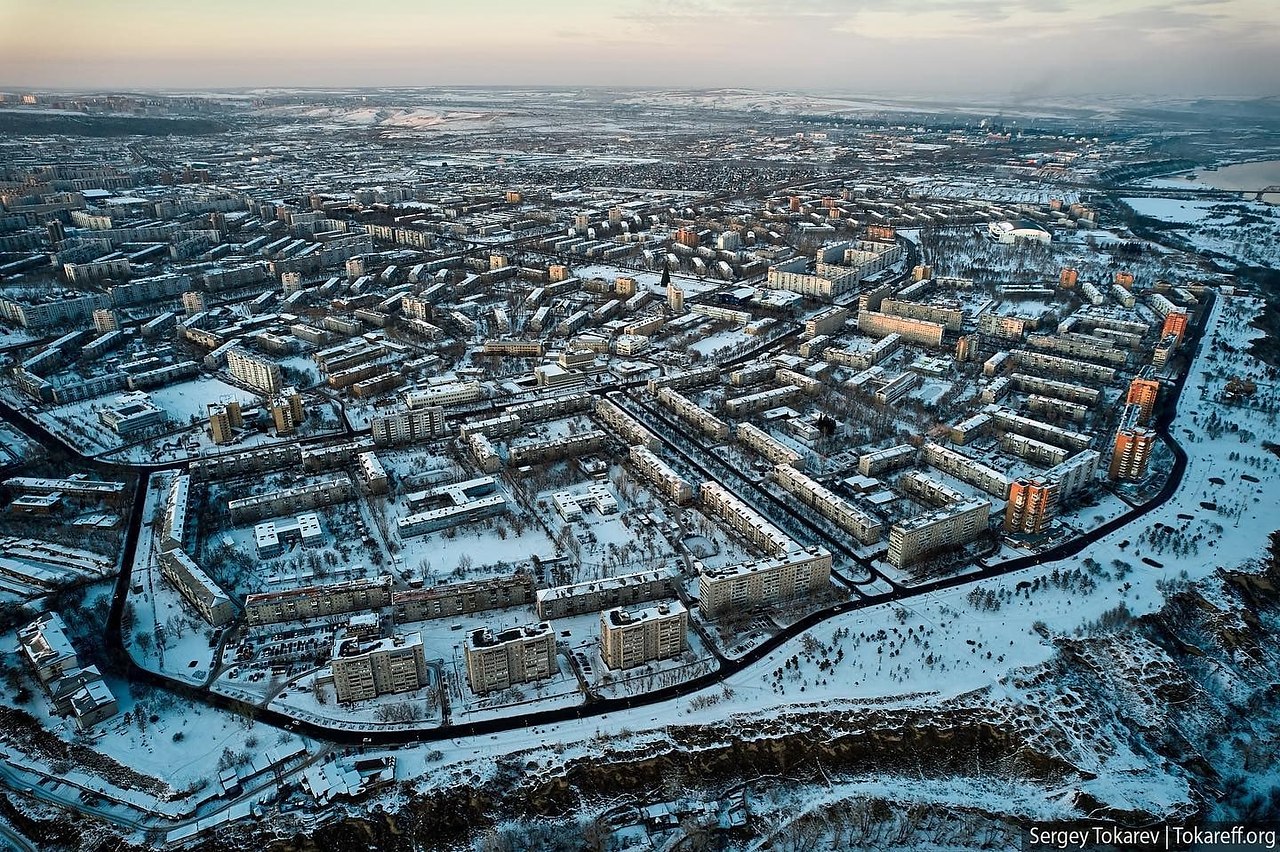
{"type": "Point", "coordinates": [23, 122]}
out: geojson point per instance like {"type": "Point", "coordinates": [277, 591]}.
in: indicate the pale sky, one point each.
{"type": "Point", "coordinates": [1008, 48]}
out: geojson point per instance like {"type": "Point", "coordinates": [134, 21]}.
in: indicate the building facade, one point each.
{"type": "Point", "coordinates": [630, 638]}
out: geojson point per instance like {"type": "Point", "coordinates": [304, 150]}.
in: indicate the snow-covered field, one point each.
{"type": "Point", "coordinates": [1246, 231]}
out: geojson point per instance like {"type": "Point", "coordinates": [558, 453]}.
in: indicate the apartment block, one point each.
{"type": "Point", "coordinates": [1131, 452]}
{"type": "Point", "coordinates": [451, 599]}
{"type": "Point", "coordinates": [1039, 362]}
{"type": "Point", "coordinates": [287, 411]}
{"type": "Point", "coordinates": [933, 532]}
{"type": "Point", "coordinates": [865, 527]}
{"type": "Point", "coordinates": [320, 601]}
{"type": "Point", "coordinates": [261, 374]}
{"type": "Point", "coordinates": [1079, 394]}
{"type": "Point", "coordinates": [257, 460]}
{"type": "Point", "coordinates": [882, 461]}
{"type": "Point", "coordinates": [1074, 474]}
{"type": "Point", "coordinates": [224, 419]}
{"type": "Point", "coordinates": [1037, 452]}
{"type": "Point", "coordinates": [697, 378]}
{"type": "Point", "coordinates": [597, 595]}
{"type": "Point", "coordinates": [740, 588]}
{"type": "Point", "coordinates": [409, 426]}
{"type": "Point", "coordinates": [693, 414]}
{"type": "Point", "coordinates": [747, 522]}
{"type": "Point", "coordinates": [551, 407]}
{"type": "Point", "coordinates": [492, 427]}
{"type": "Point", "coordinates": [918, 331]}
{"type": "Point", "coordinates": [199, 589]}
{"type": "Point", "coordinates": [174, 532]}
{"type": "Point", "coordinates": [660, 474]}
{"type": "Point", "coordinates": [450, 393]}
{"type": "Point", "coordinates": [966, 469]}
{"type": "Point", "coordinates": [742, 406]}
{"type": "Point", "coordinates": [371, 473]}
{"type": "Point", "coordinates": [1143, 392]}
{"type": "Point", "coordinates": [364, 670]}
{"type": "Point", "coordinates": [290, 501]}
{"type": "Point", "coordinates": [498, 661]}
{"type": "Point", "coordinates": [1032, 505]}
{"type": "Point", "coordinates": [633, 637]}
{"type": "Point", "coordinates": [630, 429]}
{"type": "Point", "coordinates": [950, 318]}
{"type": "Point", "coordinates": [567, 446]}
{"type": "Point", "coordinates": [828, 321]}
{"type": "Point", "coordinates": [73, 690]}
{"type": "Point", "coordinates": [1010, 421]}
{"type": "Point", "coordinates": [768, 446]}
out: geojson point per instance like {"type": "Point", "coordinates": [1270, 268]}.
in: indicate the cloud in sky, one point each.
{"type": "Point", "coordinates": [943, 47]}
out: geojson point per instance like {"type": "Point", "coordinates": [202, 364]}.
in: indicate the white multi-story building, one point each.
{"type": "Point", "coordinates": [450, 393]}
{"type": "Point", "coordinates": [408, 426]}
{"type": "Point", "coordinates": [660, 474]}
{"type": "Point", "coordinates": [261, 374]}
{"type": "Point", "coordinates": [865, 527]}
{"type": "Point", "coordinates": [738, 588]}
{"type": "Point", "coordinates": [630, 638]}
{"type": "Point", "coordinates": [930, 533]}
{"type": "Point", "coordinates": [519, 655]}
{"type": "Point", "coordinates": [366, 670]}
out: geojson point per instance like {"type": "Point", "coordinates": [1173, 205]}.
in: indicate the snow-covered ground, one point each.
{"type": "Point", "coordinates": [1246, 231]}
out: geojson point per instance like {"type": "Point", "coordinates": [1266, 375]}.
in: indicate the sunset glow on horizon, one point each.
{"type": "Point", "coordinates": [1018, 48]}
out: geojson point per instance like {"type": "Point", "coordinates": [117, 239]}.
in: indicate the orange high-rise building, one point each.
{"type": "Point", "coordinates": [1032, 505]}
{"type": "Point", "coordinates": [1069, 276]}
{"type": "Point", "coordinates": [1125, 280]}
{"type": "Point", "coordinates": [1175, 324]}
{"type": "Point", "coordinates": [687, 237]}
{"type": "Point", "coordinates": [795, 204]}
{"type": "Point", "coordinates": [1143, 393]}
{"type": "Point", "coordinates": [882, 233]}
{"type": "Point", "coordinates": [1131, 454]}
{"type": "Point", "coordinates": [921, 272]}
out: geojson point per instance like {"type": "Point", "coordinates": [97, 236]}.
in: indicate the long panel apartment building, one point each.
{"type": "Point", "coordinates": [321, 601]}
{"type": "Point", "coordinates": [925, 535]}
{"type": "Point", "coordinates": [865, 527]}
{"type": "Point", "coordinates": [630, 429]}
{"type": "Point", "coordinates": [966, 469]}
{"type": "Point", "coordinates": [197, 587]}
{"type": "Point", "coordinates": [597, 595]}
{"type": "Point", "coordinates": [694, 414]}
{"type": "Point", "coordinates": [918, 331]}
{"type": "Point", "coordinates": [291, 501]}
{"type": "Point", "coordinates": [451, 599]}
{"type": "Point", "coordinates": [768, 446]}
{"type": "Point", "coordinates": [739, 588]}
{"type": "Point", "coordinates": [657, 471]}
{"type": "Point", "coordinates": [744, 520]}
